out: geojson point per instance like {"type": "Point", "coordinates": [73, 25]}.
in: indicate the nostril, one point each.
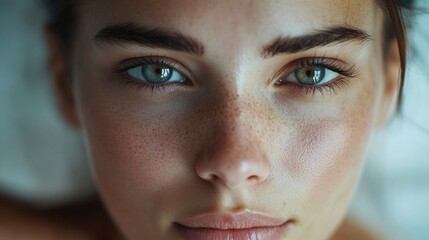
{"type": "Point", "coordinates": [232, 175]}
{"type": "Point", "coordinates": [231, 170]}
{"type": "Point", "coordinates": [213, 178]}
{"type": "Point", "coordinates": [253, 178]}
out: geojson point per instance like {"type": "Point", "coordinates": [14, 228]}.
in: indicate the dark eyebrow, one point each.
{"type": "Point", "coordinates": [339, 34]}
{"type": "Point", "coordinates": [131, 33]}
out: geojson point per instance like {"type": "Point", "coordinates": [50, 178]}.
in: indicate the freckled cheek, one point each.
{"type": "Point", "coordinates": [142, 153]}
{"type": "Point", "coordinates": [137, 154]}
{"type": "Point", "coordinates": [135, 147]}
{"type": "Point", "coordinates": [136, 161]}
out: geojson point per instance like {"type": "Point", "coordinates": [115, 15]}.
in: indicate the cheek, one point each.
{"type": "Point", "coordinates": [322, 160]}
{"type": "Point", "coordinates": [322, 153]}
{"type": "Point", "coordinates": [325, 138]}
{"type": "Point", "coordinates": [326, 170]}
{"type": "Point", "coordinates": [122, 145]}
{"type": "Point", "coordinates": [137, 162]}
{"type": "Point", "coordinates": [330, 163]}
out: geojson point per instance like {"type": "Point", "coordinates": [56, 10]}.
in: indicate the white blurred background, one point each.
{"type": "Point", "coordinates": [43, 162]}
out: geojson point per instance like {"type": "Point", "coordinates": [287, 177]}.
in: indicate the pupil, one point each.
{"type": "Point", "coordinates": [158, 71]}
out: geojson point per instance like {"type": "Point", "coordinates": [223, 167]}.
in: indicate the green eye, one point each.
{"type": "Point", "coordinates": [310, 75]}
{"type": "Point", "coordinates": [156, 73]}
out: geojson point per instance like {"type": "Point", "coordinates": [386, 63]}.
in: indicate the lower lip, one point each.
{"type": "Point", "coordinates": [260, 233]}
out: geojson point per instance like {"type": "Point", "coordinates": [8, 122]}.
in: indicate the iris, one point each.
{"type": "Point", "coordinates": [156, 73]}
{"type": "Point", "coordinates": [310, 75]}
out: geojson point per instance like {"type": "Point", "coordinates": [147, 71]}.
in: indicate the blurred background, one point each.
{"type": "Point", "coordinates": [43, 162]}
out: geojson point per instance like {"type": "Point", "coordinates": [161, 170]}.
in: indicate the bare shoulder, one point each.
{"type": "Point", "coordinates": [352, 230]}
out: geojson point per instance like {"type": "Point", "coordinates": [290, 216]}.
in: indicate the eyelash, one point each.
{"type": "Point", "coordinates": [145, 86]}
{"type": "Point", "coordinates": [345, 73]}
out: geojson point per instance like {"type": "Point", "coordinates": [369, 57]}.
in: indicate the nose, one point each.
{"type": "Point", "coordinates": [234, 156]}
{"type": "Point", "coordinates": [233, 173]}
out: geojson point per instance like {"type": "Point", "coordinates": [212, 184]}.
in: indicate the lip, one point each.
{"type": "Point", "coordinates": [241, 226]}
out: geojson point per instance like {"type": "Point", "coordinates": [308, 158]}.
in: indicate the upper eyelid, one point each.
{"type": "Point", "coordinates": [316, 61]}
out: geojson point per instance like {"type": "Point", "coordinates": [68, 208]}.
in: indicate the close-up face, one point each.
{"type": "Point", "coordinates": [228, 119]}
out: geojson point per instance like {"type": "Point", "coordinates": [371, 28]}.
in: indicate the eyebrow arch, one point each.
{"type": "Point", "coordinates": [131, 33]}
{"type": "Point", "coordinates": [333, 35]}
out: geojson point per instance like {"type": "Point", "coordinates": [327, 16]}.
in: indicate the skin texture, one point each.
{"type": "Point", "coordinates": [232, 141]}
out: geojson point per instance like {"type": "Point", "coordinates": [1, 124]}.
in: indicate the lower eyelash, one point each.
{"type": "Point", "coordinates": [153, 89]}
{"type": "Point", "coordinates": [329, 88]}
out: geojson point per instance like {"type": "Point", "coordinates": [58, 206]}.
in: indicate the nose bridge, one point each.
{"type": "Point", "coordinates": [229, 121]}
{"type": "Point", "coordinates": [234, 154]}
{"type": "Point", "coordinates": [232, 127]}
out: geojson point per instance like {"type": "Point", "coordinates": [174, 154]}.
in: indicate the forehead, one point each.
{"type": "Point", "coordinates": [252, 16]}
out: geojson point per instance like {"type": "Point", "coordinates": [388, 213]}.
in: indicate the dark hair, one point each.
{"type": "Point", "coordinates": [62, 19]}
{"type": "Point", "coordinates": [398, 16]}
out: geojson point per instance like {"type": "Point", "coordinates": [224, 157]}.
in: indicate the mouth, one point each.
{"type": "Point", "coordinates": [243, 226]}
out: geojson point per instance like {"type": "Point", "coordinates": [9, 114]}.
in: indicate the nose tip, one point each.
{"type": "Point", "coordinates": [232, 152]}
{"type": "Point", "coordinates": [233, 174]}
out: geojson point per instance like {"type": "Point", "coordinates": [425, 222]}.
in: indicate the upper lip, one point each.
{"type": "Point", "coordinates": [224, 221]}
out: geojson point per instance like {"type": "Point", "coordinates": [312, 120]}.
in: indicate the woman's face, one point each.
{"type": "Point", "coordinates": [228, 119]}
